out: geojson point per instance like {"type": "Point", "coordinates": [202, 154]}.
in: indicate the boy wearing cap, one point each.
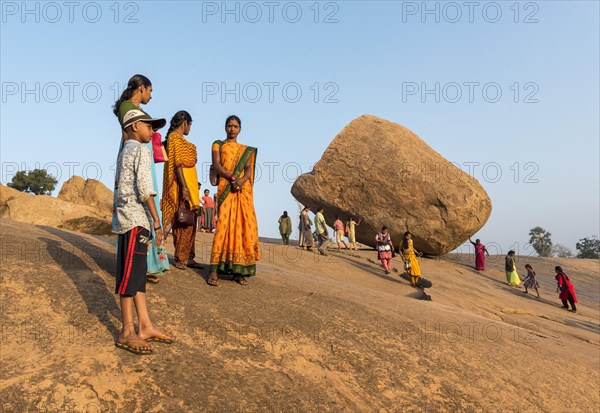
{"type": "Point", "coordinates": [135, 212]}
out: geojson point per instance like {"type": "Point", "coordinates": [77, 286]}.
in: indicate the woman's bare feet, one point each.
{"type": "Point", "coordinates": [213, 279]}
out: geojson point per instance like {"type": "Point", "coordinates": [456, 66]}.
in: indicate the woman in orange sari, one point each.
{"type": "Point", "coordinates": [235, 247]}
{"type": "Point", "coordinates": [180, 189]}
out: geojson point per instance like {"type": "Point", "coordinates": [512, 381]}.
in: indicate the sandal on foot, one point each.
{"type": "Point", "coordinates": [194, 264]}
{"type": "Point", "coordinates": [152, 278]}
{"type": "Point", "coordinates": [161, 338]}
{"type": "Point", "coordinates": [131, 347]}
{"type": "Point", "coordinates": [180, 265]}
{"type": "Point", "coordinates": [213, 281]}
{"type": "Point", "coordinates": [241, 280]}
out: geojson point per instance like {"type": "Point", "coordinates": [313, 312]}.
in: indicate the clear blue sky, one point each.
{"type": "Point", "coordinates": [62, 68]}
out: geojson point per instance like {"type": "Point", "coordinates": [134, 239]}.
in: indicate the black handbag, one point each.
{"type": "Point", "coordinates": [185, 216]}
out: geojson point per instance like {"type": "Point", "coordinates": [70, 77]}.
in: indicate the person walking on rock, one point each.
{"type": "Point", "coordinates": [410, 255]}
{"type": "Point", "coordinates": [322, 231]}
{"type": "Point", "coordinates": [306, 236]}
{"type": "Point", "coordinates": [480, 252]}
{"type": "Point", "coordinates": [285, 227]}
{"type": "Point", "coordinates": [566, 289]}
{"type": "Point", "coordinates": [338, 227]}
{"type": "Point", "coordinates": [385, 249]}
{"type": "Point", "coordinates": [351, 226]}
{"type": "Point", "coordinates": [530, 281]}
{"type": "Point", "coordinates": [512, 277]}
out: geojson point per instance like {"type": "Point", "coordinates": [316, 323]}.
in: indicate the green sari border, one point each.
{"type": "Point", "coordinates": [237, 172]}
{"type": "Point", "coordinates": [237, 269]}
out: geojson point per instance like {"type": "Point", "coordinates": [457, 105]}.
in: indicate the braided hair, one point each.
{"type": "Point", "coordinates": [405, 240]}
{"type": "Point", "coordinates": [177, 120]}
{"type": "Point", "coordinates": [134, 83]}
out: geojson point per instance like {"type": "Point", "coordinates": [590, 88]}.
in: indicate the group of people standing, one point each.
{"type": "Point", "coordinates": [384, 246]}
{"type": "Point", "coordinates": [143, 223]}
{"type": "Point", "coordinates": [320, 236]}
{"type": "Point", "coordinates": [181, 205]}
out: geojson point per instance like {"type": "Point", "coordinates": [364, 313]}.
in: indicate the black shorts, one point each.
{"type": "Point", "coordinates": [132, 262]}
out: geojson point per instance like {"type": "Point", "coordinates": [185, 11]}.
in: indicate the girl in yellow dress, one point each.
{"type": "Point", "coordinates": [235, 247]}
{"type": "Point", "coordinates": [409, 254]}
{"type": "Point", "coordinates": [512, 277]}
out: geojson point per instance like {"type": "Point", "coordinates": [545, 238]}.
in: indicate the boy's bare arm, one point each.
{"type": "Point", "coordinates": [156, 222]}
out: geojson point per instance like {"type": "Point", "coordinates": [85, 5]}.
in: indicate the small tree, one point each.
{"type": "Point", "coordinates": [541, 242]}
{"type": "Point", "coordinates": [561, 251]}
{"type": "Point", "coordinates": [588, 248]}
{"type": "Point", "coordinates": [20, 182]}
{"type": "Point", "coordinates": [37, 182]}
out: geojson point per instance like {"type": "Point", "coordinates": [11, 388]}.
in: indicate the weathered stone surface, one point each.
{"type": "Point", "coordinates": [88, 192]}
{"type": "Point", "coordinates": [46, 210]}
{"type": "Point", "coordinates": [384, 174]}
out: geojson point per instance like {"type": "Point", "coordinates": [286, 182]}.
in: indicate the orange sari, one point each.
{"type": "Point", "coordinates": [182, 153]}
{"type": "Point", "coordinates": [235, 247]}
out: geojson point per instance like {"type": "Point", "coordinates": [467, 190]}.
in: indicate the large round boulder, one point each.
{"type": "Point", "coordinates": [384, 174]}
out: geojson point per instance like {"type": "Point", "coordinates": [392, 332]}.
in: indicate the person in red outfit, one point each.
{"type": "Point", "coordinates": [208, 212]}
{"type": "Point", "coordinates": [567, 292]}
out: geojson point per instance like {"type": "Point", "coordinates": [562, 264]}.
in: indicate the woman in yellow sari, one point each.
{"type": "Point", "coordinates": [409, 253]}
{"type": "Point", "coordinates": [235, 247]}
{"type": "Point", "coordinates": [180, 189]}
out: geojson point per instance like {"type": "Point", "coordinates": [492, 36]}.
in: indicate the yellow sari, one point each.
{"type": "Point", "coordinates": [235, 247]}
{"type": "Point", "coordinates": [181, 153]}
{"type": "Point", "coordinates": [409, 254]}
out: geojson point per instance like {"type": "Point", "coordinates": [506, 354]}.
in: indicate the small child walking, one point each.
{"type": "Point", "coordinates": [530, 281]}
{"type": "Point", "coordinates": [385, 249]}
{"type": "Point", "coordinates": [134, 204]}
